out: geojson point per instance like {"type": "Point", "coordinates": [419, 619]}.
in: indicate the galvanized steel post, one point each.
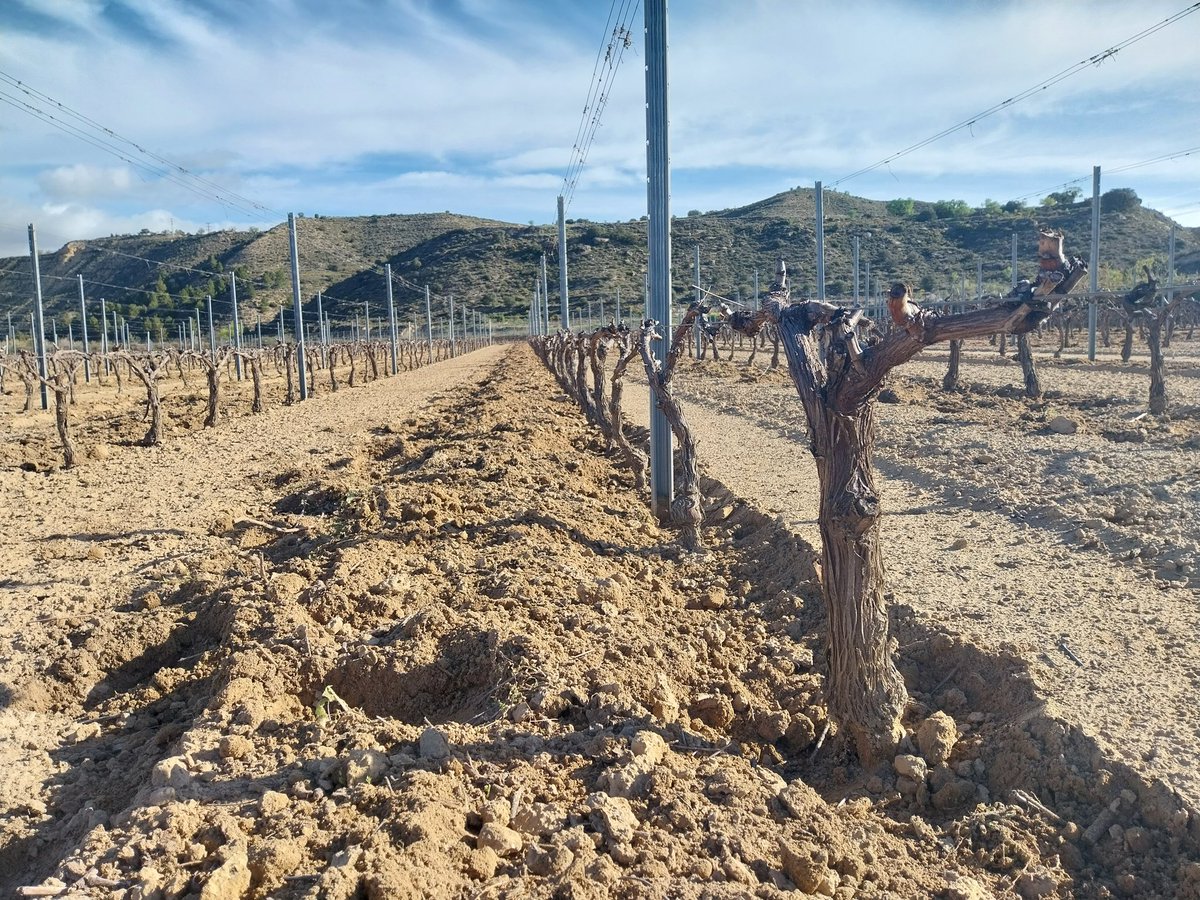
{"type": "Point", "coordinates": [820, 197]}
{"type": "Point", "coordinates": [299, 316]}
{"type": "Point", "coordinates": [428, 323]}
{"type": "Point", "coordinates": [564, 302]}
{"type": "Point", "coordinates": [1094, 263]}
{"type": "Point", "coordinates": [212, 333]}
{"type": "Point", "coordinates": [237, 326]}
{"type": "Point", "coordinates": [1013, 279]}
{"type": "Point", "coordinates": [658, 275]}
{"type": "Point", "coordinates": [546, 293]}
{"type": "Point", "coordinates": [87, 363]}
{"type": "Point", "coordinates": [387, 274]}
{"type": "Point", "coordinates": [856, 270]}
{"type": "Point", "coordinates": [39, 336]}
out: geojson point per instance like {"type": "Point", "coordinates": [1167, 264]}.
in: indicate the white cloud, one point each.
{"type": "Point", "coordinates": [368, 106]}
{"type": "Point", "coordinates": [83, 181]}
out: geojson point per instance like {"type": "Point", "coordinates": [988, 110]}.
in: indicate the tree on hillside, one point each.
{"type": "Point", "coordinates": [1062, 198]}
{"type": "Point", "coordinates": [902, 206]}
{"type": "Point", "coordinates": [1119, 200]}
{"type": "Point", "coordinates": [951, 209]}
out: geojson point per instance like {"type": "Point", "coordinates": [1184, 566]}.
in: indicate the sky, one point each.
{"type": "Point", "coordinates": [477, 107]}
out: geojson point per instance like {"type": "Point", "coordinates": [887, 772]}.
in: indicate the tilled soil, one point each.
{"type": "Point", "coordinates": [423, 639]}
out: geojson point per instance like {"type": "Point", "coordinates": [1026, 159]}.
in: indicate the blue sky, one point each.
{"type": "Point", "coordinates": [382, 106]}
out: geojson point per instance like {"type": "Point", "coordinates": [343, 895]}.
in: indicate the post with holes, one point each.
{"type": "Point", "coordinates": [387, 274]}
{"type": "Point", "coordinates": [1094, 263]}
{"type": "Point", "coordinates": [546, 293]}
{"type": "Point", "coordinates": [450, 328]}
{"type": "Point", "coordinates": [299, 315]}
{"type": "Point", "coordinates": [1012, 282]}
{"type": "Point", "coordinates": [39, 335]}
{"type": "Point", "coordinates": [564, 305]}
{"type": "Point", "coordinates": [321, 334]}
{"type": "Point", "coordinates": [856, 240]}
{"type": "Point", "coordinates": [819, 193]}
{"type": "Point", "coordinates": [428, 324]}
{"type": "Point", "coordinates": [212, 332]}
{"type": "Point", "coordinates": [87, 364]}
{"type": "Point", "coordinates": [1171, 267]}
{"type": "Point", "coordinates": [699, 299]}
{"type": "Point", "coordinates": [658, 274]}
{"type": "Point", "coordinates": [237, 327]}
{"type": "Point", "coordinates": [464, 327]}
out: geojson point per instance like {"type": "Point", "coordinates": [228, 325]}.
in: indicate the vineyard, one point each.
{"type": "Point", "coordinates": [420, 635]}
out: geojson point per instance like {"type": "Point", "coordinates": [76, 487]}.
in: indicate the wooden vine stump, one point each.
{"type": "Point", "coordinates": [838, 378]}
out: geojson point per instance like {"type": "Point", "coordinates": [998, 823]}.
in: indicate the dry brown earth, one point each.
{"type": "Point", "coordinates": [546, 698]}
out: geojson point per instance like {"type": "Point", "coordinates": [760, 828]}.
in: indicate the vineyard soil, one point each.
{"type": "Point", "coordinates": [422, 638]}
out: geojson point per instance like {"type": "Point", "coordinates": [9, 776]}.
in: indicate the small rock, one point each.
{"type": "Point", "coordinates": [910, 766]}
{"type": "Point", "coordinates": [161, 796]}
{"type": "Point", "coordinates": [84, 732]}
{"type": "Point", "coordinates": [498, 811]}
{"type": "Point", "coordinates": [273, 802]}
{"type": "Point", "coordinates": [664, 704]}
{"type": "Point", "coordinates": [714, 710]}
{"type": "Point", "coordinates": [960, 544]}
{"type": "Point", "coordinates": [482, 863]}
{"type": "Point", "coordinates": [171, 772]}
{"type": "Point", "coordinates": [808, 868]}
{"type": "Point", "coordinates": [433, 744]}
{"type": "Point", "coordinates": [615, 815]}
{"type": "Point", "coordinates": [235, 746]}
{"type": "Point", "coordinates": [1035, 884]}
{"type": "Point", "coordinates": [964, 887]}
{"type": "Point", "coordinates": [936, 737]}
{"type": "Point", "coordinates": [503, 840]}
{"type": "Point", "coordinates": [958, 792]}
{"type": "Point", "coordinates": [648, 748]}
{"type": "Point", "coordinates": [545, 861]}
{"type": "Point", "coordinates": [1138, 839]}
{"type": "Point", "coordinates": [286, 587]}
{"type": "Point", "coordinates": [231, 880]}
{"type": "Point", "coordinates": [601, 590]}
{"type": "Point", "coordinates": [801, 732]}
{"type": "Point", "coordinates": [364, 767]}
{"type": "Point", "coordinates": [773, 725]}
{"type": "Point", "coordinates": [1062, 425]}
{"type": "Point", "coordinates": [539, 818]}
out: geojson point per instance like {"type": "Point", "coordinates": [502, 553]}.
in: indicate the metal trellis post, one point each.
{"type": "Point", "coordinates": [658, 274]}
{"type": "Point", "coordinates": [298, 324]}
{"type": "Point", "coordinates": [387, 274]}
{"type": "Point", "coordinates": [237, 326]}
{"type": "Point", "coordinates": [564, 303]}
{"type": "Point", "coordinates": [212, 332]}
{"type": "Point", "coordinates": [1094, 263]}
{"type": "Point", "coordinates": [428, 323]}
{"type": "Point", "coordinates": [39, 336]}
{"type": "Point", "coordinates": [87, 364]}
{"type": "Point", "coordinates": [820, 197]}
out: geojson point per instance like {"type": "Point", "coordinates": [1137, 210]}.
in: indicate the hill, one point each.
{"type": "Point", "coordinates": [158, 281]}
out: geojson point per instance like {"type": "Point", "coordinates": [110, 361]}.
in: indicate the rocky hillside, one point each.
{"type": "Point", "coordinates": [159, 279]}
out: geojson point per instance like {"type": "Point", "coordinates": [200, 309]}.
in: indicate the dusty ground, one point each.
{"type": "Point", "coordinates": [544, 697]}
